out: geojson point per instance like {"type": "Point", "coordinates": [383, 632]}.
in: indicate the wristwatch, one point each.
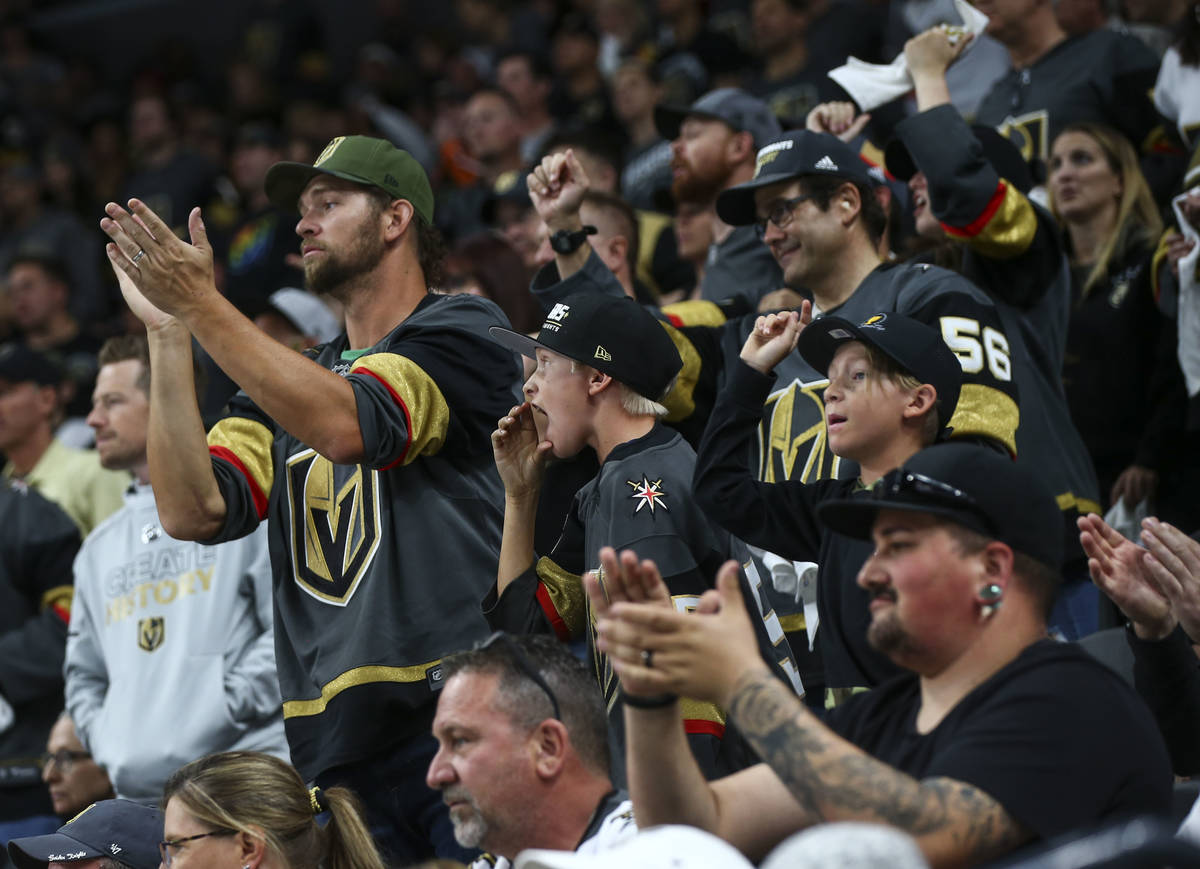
{"type": "Point", "coordinates": [566, 242]}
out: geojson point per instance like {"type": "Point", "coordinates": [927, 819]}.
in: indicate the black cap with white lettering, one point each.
{"type": "Point", "coordinates": [789, 156]}
{"type": "Point", "coordinates": [616, 336]}
{"type": "Point", "coordinates": [118, 829]}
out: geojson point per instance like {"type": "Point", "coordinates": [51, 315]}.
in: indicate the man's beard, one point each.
{"type": "Point", "coordinates": [335, 272]}
{"type": "Point", "coordinates": [470, 830]}
{"type": "Point", "coordinates": [694, 186]}
{"type": "Point", "coordinates": [887, 636]}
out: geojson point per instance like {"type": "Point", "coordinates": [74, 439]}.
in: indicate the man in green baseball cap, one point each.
{"type": "Point", "coordinates": [368, 455]}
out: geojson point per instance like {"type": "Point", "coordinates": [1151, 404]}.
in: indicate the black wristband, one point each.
{"type": "Point", "coordinates": [567, 242]}
{"type": "Point", "coordinates": [654, 701]}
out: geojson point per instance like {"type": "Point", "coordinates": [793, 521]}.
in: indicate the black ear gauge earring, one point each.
{"type": "Point", "coordinates": [990, 596]}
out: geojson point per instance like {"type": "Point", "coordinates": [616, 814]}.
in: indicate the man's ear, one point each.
{"type": "Point", "coordinates": [549, 744]}
{"type": "Point", "coordinates": [740, 148]}
{"type": "Point", "coordinates": [397, 218]}
{"type": "Point", "coordinates": [998, 564]}
{"type": "Point", "coordinates": [849, 203]}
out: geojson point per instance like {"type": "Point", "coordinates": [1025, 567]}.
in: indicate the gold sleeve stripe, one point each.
{"type": "Point", "coordinates": [702, 718]}
{"type": "Point", "coordinates": [1069, 500]}
{"type": "Point", "coordinates": [680, 401]}
{"type": "Point", "coordinates": [351, 679]}
{"type": "Point", "coordinates": [59, 599]}
{"type": "Point", "coordinates": [793, 623]}
{"type": "Point", "coordinates": [984, 410]}
{"type": "Point", "coordinates": [424, 406]}
{"type": "Point", "coordinates": [561, 596]}
{"type": "Point", "coordinates": [1006, 227]}
{"type": "Point", "coordinates": [246, 443]}
{"type": "Point", "coordinates": [695, 312]}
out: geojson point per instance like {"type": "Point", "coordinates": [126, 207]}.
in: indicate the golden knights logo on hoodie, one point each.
{"type": "Point", "coordinates": [151, 632]}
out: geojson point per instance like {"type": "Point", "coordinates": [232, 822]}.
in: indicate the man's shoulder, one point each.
{"type": "Point", "coordinates": [460, 311]}
{"type": "Point", "coordinates": [905, 287]}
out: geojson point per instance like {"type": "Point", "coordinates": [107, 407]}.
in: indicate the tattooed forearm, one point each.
{"type": "Point", "coordinates": [833, 780]}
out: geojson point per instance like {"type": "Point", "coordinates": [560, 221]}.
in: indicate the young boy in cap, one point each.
{"type": "Point", "coordinates": [893, 387]}
{"type": "Point", "coordinates": [106, 835]}
{"type": "Point", "coordinates": [603, 365]}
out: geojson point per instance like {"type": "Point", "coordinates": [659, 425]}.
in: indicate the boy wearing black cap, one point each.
{"type": "Point", "coordinates": [893, 387]}
{"type": "Point", "coordinates": [603, 364]}
{"type": "Point", "coordinates": [989, 742]}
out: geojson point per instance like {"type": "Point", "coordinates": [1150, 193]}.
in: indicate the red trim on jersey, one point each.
{"type": "Point", "coordinates": [674, 320]}
{"type": "Point", "coordinates": [403, 407]}
{"type": "Point", "coordinates": [62, 612]}
{"type": "Point", "coordinates": [700, 726]}
{"type": "Point", "coordinates": [260, 500]}
{"type": "Point", "coordinates": [977, 225]}
{"type": "Point", "coordinates": [556, 621]}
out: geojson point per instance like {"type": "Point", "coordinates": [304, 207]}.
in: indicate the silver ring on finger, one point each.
{"type": "Point", "coordinates": [137, 257]}
{"type": "Point", "coordinates": [647, 658]}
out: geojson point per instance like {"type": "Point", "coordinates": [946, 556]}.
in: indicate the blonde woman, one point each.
{"type": "Point", "coordinates": [1120, 369]}
{"type": "Point", "coordinates": [246, 810]}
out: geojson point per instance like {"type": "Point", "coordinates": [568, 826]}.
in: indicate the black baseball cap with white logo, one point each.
{"type": "Point", "coordinates": [792, 155]}
{"type": "Point", "coordinates": [969, 485]}
{"type": "Point", "coordinates": [741, 111]}
{"type": "Point", "coordinates": [119, 829]}
{"type": "Point", "coordinates": [616, 336]}
{"type": "Point", "coordinates": [911, 344]}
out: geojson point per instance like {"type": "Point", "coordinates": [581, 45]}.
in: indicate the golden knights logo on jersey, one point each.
{"type": "Point", "coordinates": [151, 632]}
{"type": "Point", "coordinates": [793, 443]}
{"type": "Point", "coordinates": [334, 514]}
{"type": "Point", "coordinates": [1029, 132]}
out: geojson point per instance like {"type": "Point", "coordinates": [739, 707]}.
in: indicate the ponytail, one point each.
{"type": "Point", "coordinates": [348, 843]}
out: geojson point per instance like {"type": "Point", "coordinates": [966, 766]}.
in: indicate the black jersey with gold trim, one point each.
{"type": "Point", "coordinates": [378, 567]}
{"type": "Point", "coordinates": [1103, 76]}
{"type": "Point", "coordinates": [641, 500]}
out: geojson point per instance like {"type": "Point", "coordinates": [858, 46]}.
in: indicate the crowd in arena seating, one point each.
{"type": "Point", "coordinates": [583, 432]}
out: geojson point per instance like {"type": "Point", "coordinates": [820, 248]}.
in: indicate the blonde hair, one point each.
{"type": "Point", "coordinates": [633, 403]}
{"type": "Point", "coordinates": [887, 367]}
{"type": "Point", "coordinates": [264, 797]}
{"type": "Point", "coordinates": [1138, 219]}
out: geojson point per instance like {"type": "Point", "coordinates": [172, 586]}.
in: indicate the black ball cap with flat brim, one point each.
{"type": "Point", "coordinates": [916, 347]}
{"type": "Point", "coordinates": [790, 156]}
{"type": "Point", "coordinates": [969, 485]}
{"type": "Point", "coordinates": [363, 160]}
{"type": "Point", "coordinates": [616, 336]}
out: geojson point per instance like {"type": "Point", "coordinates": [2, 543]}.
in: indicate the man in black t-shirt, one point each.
{"type": "Point", "coordinates": [991, 742]}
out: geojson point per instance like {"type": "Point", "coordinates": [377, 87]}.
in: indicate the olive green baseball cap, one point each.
{"type": "Point", "coordinates": [363, 160]}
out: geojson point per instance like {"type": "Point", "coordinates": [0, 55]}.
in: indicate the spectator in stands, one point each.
{"type": "Point", "coordinates": [298, 319]}
{"type": "Point", "coordinates": [798, 42]}
{"type": "Point", "coordinates": [636, 90]}
{"type": "Point", "coordinates": [580, 98]}
{"type": "Point", "coordinates": [71, 774]}
{"type": "Point", "coordinates": [492, 133]}
{"type": "Point", "coordinates": [260, 239]}
{"type": "Point", "coordinates": [713, 146]}
{"type": "Point", "coordinates": [29, 227]}
{"type": "Point", "coordinates": [40, 293]}
{"type": "Point", "coordinates": [245, 808]}
{"type": "Point", "coordinates": [525, 76]}
{"type": "Point", "coordinates": [30, 407]}
{"type": "Point", "coordinates": [989, 743]}
{"type": "Point", "coordinates": [509, 211]}
{"type": "Point", "coordinates": [523, 756]}
{"type": "Point", "coordinates": [166, 176]}
{"type": "Point", "coordinates": [1102, 77]}
{"type": "Point", "coordinates": [1128, 406]}
{"type": "Point", "coordinates": [1177, 90]}
{"type": "Point", "coordinates": [692, 52]}
{"type": "Point", "coordinates": [186, 624]}
{"type": "Point", "coordinates": [487, 265]}
{"type": "Point", "coordinates": [37, 543]}
{"type": "Point", "coordinates": [110, 834]}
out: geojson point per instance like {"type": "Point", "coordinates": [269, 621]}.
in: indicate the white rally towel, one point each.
{"type": "Point", "coordinates": [1188, 325]}
{"type": "Point", "coordinates": [872, 85]}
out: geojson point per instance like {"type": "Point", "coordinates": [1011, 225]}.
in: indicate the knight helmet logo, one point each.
{"type": "Point", "coordinates": [329, 149]}
{"type": "Point", "coordinates": [151, 632]}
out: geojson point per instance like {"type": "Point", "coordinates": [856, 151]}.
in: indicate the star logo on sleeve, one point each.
{"type": "Point", "coordinates": [647, 493]}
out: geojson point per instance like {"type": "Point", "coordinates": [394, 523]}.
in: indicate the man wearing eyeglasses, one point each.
{"type": "Point", "coordinates": [111, 834]}
{"type": "Point", "coordinates": [523, 754]}
{"type": "Point", "coordinates": [997, 736]}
